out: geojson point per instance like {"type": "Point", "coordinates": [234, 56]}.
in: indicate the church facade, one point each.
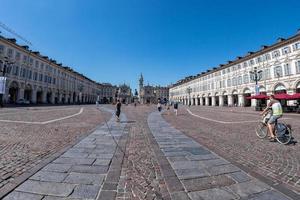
{"type": "Point", "coordinates": [150, 94]}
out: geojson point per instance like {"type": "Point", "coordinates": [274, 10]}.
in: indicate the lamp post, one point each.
{"type": "Point", "coordinates": [80, 88]}
{"type": "Point", "coordinates": [189, 90]}
{"type": "Point", "coordinates": [256, 76]}
{"type": "Point", "coordinates": [4, 68]}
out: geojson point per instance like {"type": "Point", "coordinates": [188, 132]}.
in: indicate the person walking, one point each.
{"type": "Point", "coordinates": [176, 108]}
{"type": "Point", "coordinates": [159, 105]}
{"type": "Point", "coordinates": [118, 110]}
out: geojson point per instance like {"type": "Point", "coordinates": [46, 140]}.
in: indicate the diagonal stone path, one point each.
{"type": "Point", "coordinates": [80, 172]}
{"type": "Point", "coordinates": [193, 172]}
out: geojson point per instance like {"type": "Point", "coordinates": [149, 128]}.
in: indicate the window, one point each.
{"type": "Point", "coordinates": [228, 70]}
{"type": "Point", "coordinates": [267, 57]}
{"type": "Point", "coordinates": [41, 77]}
{"type": "Point", "coordinates": [278, 71]}
{"type": "Point", "coordinates": [266, 74]}
{"type": "Point", "coordinates": [54, 81]}
{"type": "Point", "coordinates": [29, 74]}
{"type": "Point", "coordinates": [295, 46]}
{"type": "Point", "coordinates": [1, 49]}
{"type": "Point", "coordinates": [23, 72]}
{"type": "Point", "coordinates": [258, 59]}
{"type": "Point", "coordinates": [229, 83]}
{"type": "Point", "coordinates": [35, 76]}
{"type": "Point", "coordinates": [240, 80]}
{"type": "Point", "coordinates": [223, 72]}
{"type": "Point", "coordinates": [16, 70]}
{"type": "Point", "coordinates": [37, 64]}
{"type": "Point", "coordinates": [45, 78]}
{"type": "Point", "coordinates": [286, 50]}
{"type": "Point", "coordinates": [10, 53]}
{"type": "Point", "coordinates": [31, 61]}
{"type": "Point", "coordinates": [297, 64]}
{"type": "Point", "coordinates": [234, 81]}
{"type": "Point", "coordinates": [239, 66]}
{"type": "Point", "coordinates": [251, 62]}
{"type": "Point", "coordinates": [24, 59]}
{"type": "Point", "coordinates": [287, 69]}
{"type": "Point", "coordinates": [246, 78]}
{"type": "Point", "coordinates": [275, 54]}
{"type": "Point", "coordinates": [42, 66]}
{"type": "Point", "coordinates": [245, 64]}
{"type": "Point", "coordinates": [18, 56]}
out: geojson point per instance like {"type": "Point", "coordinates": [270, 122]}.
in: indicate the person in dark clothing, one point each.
{"type": "Point", "coordinates": [176, 108]}
{"type": "Point", "coordinates": [118, 110]}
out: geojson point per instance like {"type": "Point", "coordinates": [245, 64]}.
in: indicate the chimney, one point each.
{"type": "Point", "coordinates": [264, 46]}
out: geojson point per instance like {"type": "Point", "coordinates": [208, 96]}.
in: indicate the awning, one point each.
{"type": "Point", "coordinates": [282, 96]}
{"type": "Point", "coordinates": [294, 96]}
{"type": "Point", "coordinates": [259, 96]}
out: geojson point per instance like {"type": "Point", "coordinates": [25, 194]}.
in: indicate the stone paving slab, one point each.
{"type": "Point", "coordinates": [78, 173]}
{"type": "Point", "coordinates": [202, 173]}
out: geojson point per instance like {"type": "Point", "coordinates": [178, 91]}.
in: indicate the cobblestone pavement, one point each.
{"type": "Point", "coordinates": [278, 165]}
{"type": "Point", "coordinates": [23, 147]}
{"type": "Point", "coordinates": [203, 174]}
{"type": "Point", "coordinates": [140, 177]}
{"type": "Point", "coordinates": [80, 172]}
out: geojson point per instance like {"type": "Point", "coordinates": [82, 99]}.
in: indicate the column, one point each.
{"type": "Point", "coordinates": [33, 96]}
{"type": "Point", "coordinates": [196, 101]}
{"type": "Point", "coordinates": [230, 103]}
{"type": "Point", "coordinates": [206, 101]}
{"type": "Point", "coordinates": [253, 102]}
{"type": "Point", "coordinates": [213, 101]}
{"type": "Point", "coordinates": [52, 99]}
{"type": "Point", "coordinates": [44, 97]}
{"type": "Point", "coordinates": [21, 93]}
{"type": "Point", "coordinates": [201, 101]}
{"type": "Point", "coordinates": [221, 101]}
{"type": "Point", "coordinates": [71, 98]}
{"type": "Point", "coordinates": [241, 100]}
{"type": "Point", "coordinates": [59, 98]}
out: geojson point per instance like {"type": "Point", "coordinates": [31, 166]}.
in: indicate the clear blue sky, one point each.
{"type": "Point", "coordinates": [115, 40]}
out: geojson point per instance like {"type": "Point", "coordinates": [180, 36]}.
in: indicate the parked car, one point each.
{"type": "Point", "coordinates": [22, 102]}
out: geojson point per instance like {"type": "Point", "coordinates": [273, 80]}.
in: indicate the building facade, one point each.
{"type": "Point", "coordinates": [36, 78]}
{"type": "Point", "coordinates": [124, 94]}
{"type": "Point", "coordinates": [230, 84]}
{"type": "Point", "coordinates": [107, 93]}
{"type": "Point", "coordinates": [150, 94]}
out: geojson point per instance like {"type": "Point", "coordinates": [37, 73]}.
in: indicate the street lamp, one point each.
{"type": "Point", "coordinates": [189, 90]}
{"type": "Point", "coordinates": [80, 88]}
{"type": "Point", "coordinates": [256, 76]}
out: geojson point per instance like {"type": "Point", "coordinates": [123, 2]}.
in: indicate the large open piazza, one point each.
{"type": "Point", "coordinates": [82, 152]}
{"type": "Point", "coordinates": [149, 100]}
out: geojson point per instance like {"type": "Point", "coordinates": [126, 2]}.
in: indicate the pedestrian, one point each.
{"type": "Point", "coordinates": [176, 108]}
{"type": "Point", "coordinates": [118, 110]}
{"type": "Point", "coordinates": [159, 105]}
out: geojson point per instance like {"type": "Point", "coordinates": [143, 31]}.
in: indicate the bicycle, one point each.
{"type": "Point", "coordinates": [283, 132]}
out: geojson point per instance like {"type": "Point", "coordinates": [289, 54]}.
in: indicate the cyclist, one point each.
{"type": "Point", "coordinates": [275, 105]}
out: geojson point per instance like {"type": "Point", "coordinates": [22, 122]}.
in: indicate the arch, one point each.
{"type": "Point", "coordinates": [262, 89]}
{"type": "Point", "coordinates": [246, 91]}
{"type": "Point", "coordinates": [235, 92]}
{"type": "Point", "coordinates": [13, 91]}
{"type": "Point", "coordinates": [277, 85]}
{"type": "Point", "coordinates": [216, 94]}
{"type": "Point", "coordinates": [224, 93]}
{"type": "Point", "coordinates": [296, 84]}
{"type": "Point", "coordinates": [209, 95]}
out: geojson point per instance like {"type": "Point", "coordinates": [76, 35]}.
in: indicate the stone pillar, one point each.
{"type": "Point", "coordinates": [206, 101]}
{"type": "Point", "coordinates": [201, 101]}
{"type": "Point", "coordinates": [230, 103]}
{"type": "Point", "coordinates": [33, 96]}
{"type": "Point", "coordinates": [221, 101]}
{"type": "Point", "coordinates": [44, 97]}
{"type": "Point", "coordinates": [196, 101]}
{"type": "Point", "coordinates": [241, 100]}
{"type": "Point", "coordinates": [253, 102]}
{"type": "Point", "coordinates": [213, 101]}
{"type": "Point", "coordinates": [52, 99]}
{"type": "Point", "coordinates": [21, 93]}
{"type": "Point", "coordinates": [59, 98]}
{"type": "Point", "coordinates": [71, 98]}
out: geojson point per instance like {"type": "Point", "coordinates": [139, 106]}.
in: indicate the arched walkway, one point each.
{"type": "Point", "coordinates": [28, 92]}
{"type": "Point", "coordinates": [13, 92]}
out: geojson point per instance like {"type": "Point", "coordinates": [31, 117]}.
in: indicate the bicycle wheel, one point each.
{"type": "Point", "coordinates": [261, 130]}
{"type": "Point", "coordinates": [285, 138]}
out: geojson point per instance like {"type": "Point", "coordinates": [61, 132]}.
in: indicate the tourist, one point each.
{"type": "Point", "coordinates": [118, 110]}
{"type": "Point", "coordinates": [159, 105]}
{"type": "Point", "coordinates": [176, 108]}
